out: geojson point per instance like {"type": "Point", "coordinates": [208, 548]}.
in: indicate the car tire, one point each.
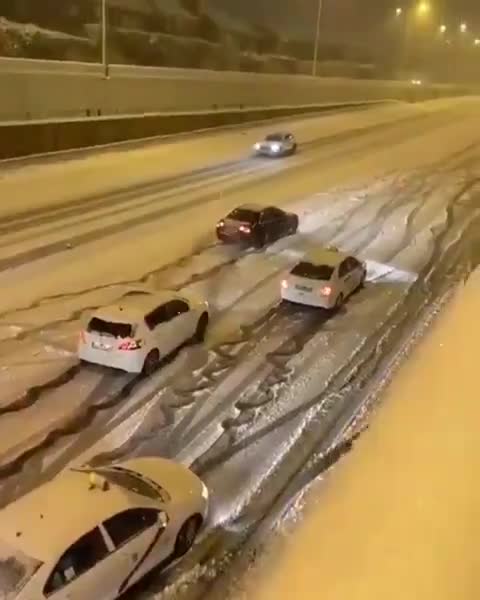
{"type": "Point", "coordinates": [201, 330]}
{"type": "Point", "coordinates": [260, 240]}
{"type": "Point", "coordinates": [339, 302]}
{"type": "Point", "coordinates": [294, 227]}
{"type": "Point", "coordinates": [294, 149]}
{"type": "Point", "coordinates": [362, 281]}
{"type": "Point", "coordinates": [187, 535]}
{"type": "Point", "coordinates": [151, 362]}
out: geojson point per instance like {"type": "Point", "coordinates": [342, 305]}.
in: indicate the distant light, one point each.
{"type": "Point", "coordinates": [463, 27]}
{"type": "Point", "coordinates": [443, 28]}
{"type": "Point", "coordinates": [399, 11]}
{"type": "Point", "coordinates": [423, 8]}
{"type": "Point", "coordinates": [477, 42]}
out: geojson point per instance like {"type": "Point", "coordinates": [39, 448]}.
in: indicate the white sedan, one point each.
{"type": "Point", "coordinates": [141, 329]}
{"type": "Point", "coordinates": [325, 279]}
{"type": "Point", "coordinates": [276, 144]}
{"type": "Point", "coordinates": [92, 533]}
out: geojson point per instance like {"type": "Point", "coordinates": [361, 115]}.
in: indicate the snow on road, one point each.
{"type": "Point", "coordinates": [387, 509]}
{"type": "Point", "coordinates": [396, 185]}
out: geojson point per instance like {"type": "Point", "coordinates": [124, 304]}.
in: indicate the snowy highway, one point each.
{"type": "Point", "coordinates": [274, 386]}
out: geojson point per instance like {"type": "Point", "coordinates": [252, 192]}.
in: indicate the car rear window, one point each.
{"type": "Point", "coordinates": [16, 569]}
{"type": "Point", "coordinates": [117, 330]}
{"type": "Point", "coordinates": [310, 271]}
{"type": "Point", "coordinates": [244, 214]}
{"type": "Point", "coordinates": [274, 137]}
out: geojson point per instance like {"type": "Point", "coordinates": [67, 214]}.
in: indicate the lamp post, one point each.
{"type": "Point", "coordinates": [317, 38]}
{"type": "Point", "coordinates": [104, 38]}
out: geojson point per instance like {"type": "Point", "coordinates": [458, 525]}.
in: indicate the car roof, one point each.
{"type": "Point", "coordinates": [45, 522]}
{"type": "Point", "coordinates": [279, 133]}
{"type": "Point", "coordinates": [135, 305]}
{"type": "Point", "coordinates": [325, 256]}
{"type": "Point", "coordinates": [252, 207]}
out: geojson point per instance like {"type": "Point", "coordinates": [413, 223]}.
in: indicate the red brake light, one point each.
{"type": "Point", "coordinates": [130, 345]}
{"type": "Point", "coordinates": [220, 223]}
{"type": "Point", "coordinates": [244, 229]}
{"type": "Point", "coordinates": [326, 290]}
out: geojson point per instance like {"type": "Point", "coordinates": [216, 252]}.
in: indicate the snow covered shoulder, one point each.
{"type": "Point", "coordinates": [399, 517]}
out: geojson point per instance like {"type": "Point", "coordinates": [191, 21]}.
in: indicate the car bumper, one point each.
{"type": "Point", "coordinates": [131, 362]}
{"type": "Point", "coordinates": [308, 298]}
{"type": "Point", "coordinates": [234, 237]}
{"type": "Point", "coordinates": [269, 152]}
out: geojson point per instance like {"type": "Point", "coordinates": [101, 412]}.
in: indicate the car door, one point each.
{"type": "Point", "coordinates": [347, 275]}
{"type": "Point", "coordinates": [87, 569]}
{"type": "Point", "coordinates": [136, 536]}
{"type": "Point", "coordinates": [184, 320]}
{"type": "Point", "coordinates": [344, 282]}
{"type": "Point", "coordinates": [164, 335]}
{"type": "Point", "coordinates": [265, 224]}
{"type": "Point", "coordinates": [357, 272]}
{"type": "Point", "coordinates": [281, 223]}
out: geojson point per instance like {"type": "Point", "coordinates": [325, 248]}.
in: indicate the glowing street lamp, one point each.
{"type": "Point", "coordinates": [423, 8]}
{"type": "Point", "coordinates": [476, 42]}
{"type": "Point", "coordinates": [443, 28]}
{"type": "Point", "coordinates": [463, 27]}
{"type": "Point", "coordinates": [399, 12]}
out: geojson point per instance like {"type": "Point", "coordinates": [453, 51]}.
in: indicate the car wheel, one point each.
{"type": "Point", "coordinates": [362, 281]}
{"type": "Point", "coordinates": [294, 148]}
{"type": "Point", "coordinates": [151, 362]}
{"type": "Point", "coordinates": [201, 328]}
{"type": "Point", "coordinates": [187, 535]}
{"type": "Point", "coordinates": [294, 227]}
{"type": "Point", "coordinates": [339, 302]}
{"type": "Point", "coordinates": [260, 240]}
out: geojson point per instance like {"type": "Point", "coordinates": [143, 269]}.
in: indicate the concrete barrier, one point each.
{"type": "Point", "coordinates": [19, 139]}
{"type": "Point", "coordinates": [32, 90]}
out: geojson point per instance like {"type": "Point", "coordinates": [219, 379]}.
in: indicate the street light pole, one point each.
{"type": "Point", "coordinates": [317, 38]}
{"type": "Point", "coordinates": [104, 38]}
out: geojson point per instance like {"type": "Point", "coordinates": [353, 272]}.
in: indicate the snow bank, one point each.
{"type": "Point", "coordinates": [399, 519]}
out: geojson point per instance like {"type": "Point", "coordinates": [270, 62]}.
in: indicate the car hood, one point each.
{"type": "Point", "coordinates": [176, 479]}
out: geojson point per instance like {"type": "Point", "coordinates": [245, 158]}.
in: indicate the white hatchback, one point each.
{"type": "Point", "coordinates": [141, 329]}
{"type": "Point", "coordinates": [325, 279]}
{"type": "Point", "coordinates": [92, 533]}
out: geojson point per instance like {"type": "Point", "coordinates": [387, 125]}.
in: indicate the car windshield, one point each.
{"type": "Point", "coordinates": [244, 214]}
{"type": "Point", "coordinates": [310, 271]}
{"type": "Point", "coordinates": [133, 482]}
{"type": "Point", "coordinates": [274, 137]}
{"type": "Point", "coordinates": [16, 569]}
{"type": "Point", "coordinates": [117, 330]}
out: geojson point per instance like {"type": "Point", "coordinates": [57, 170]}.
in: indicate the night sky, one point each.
{"type": "Point", "coordinates": [355, 19]}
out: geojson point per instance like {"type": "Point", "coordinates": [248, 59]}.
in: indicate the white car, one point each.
{"type": "Point", "coordinates": [91, 533]}
{"type": "Point", "coordinates": [324, 278]}
{"type": "Point", "coordinates": [276, 144]}
{"type": "Point", "coordinates": [141, 329]}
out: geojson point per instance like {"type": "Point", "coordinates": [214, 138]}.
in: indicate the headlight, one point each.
{"type": "Point", "coordinates": [257, 146]}
{"type": "Point", "coordinates": [275, 147]}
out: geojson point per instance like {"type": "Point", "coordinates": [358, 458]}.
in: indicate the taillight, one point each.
{"type": "Point", "coordinates": [220, 224]}
{"type": "Point", "coordinates": [284, 284]}
{"type": "Point", "coordinates": [244, 229]}
{"type": "Point", "coordinates": [326, 291]}
{"type": "Point", "coordinates": [130, 345]}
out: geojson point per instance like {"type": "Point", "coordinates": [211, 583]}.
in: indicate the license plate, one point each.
{"type": "Point", "coordinates": [303, 288]}
{"type": "Point", "coordinates": [101, 346]}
